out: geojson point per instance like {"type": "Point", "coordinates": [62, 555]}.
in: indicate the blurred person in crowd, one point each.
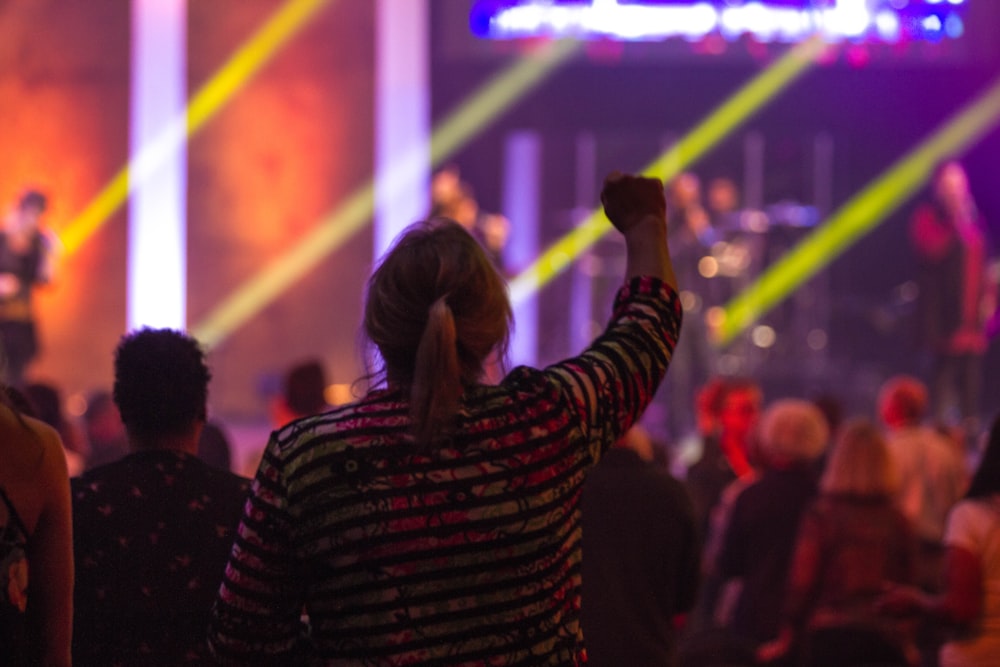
{"type": "Point", "coordinates": [640, 557]}
{"type": "Point", "coordinates": [28, 253]}
{"type": "Point", "coordinates": [47, 405]}
{"type": "Point", "coordinates": [453, 198]}
{"type": "Point", "coordinates": [152, 531]}
{"type": "Point", "coordinates": [957, 294]}
{"type": "Point", "coordinates": [723, 203]}
{"type": "Point", "coordinates": [761, 529]}
{"type": "Point", "coordinates": [932, 477]}
{"type": "Point", "coordinates": [106, 437]}
{"type": "Point", "coordinates": [707, 403]}
{"type": "Point", "coordinates": [36, 558]}
{"type": "Point", "coordinates": [969, 604]}
{"type": "Point", "coordinates": [303, 393]}
{"type": "Point", "coordinates": [725, 455]}
{"type": "Point", "coordinates": [214, 447]}
{"type": "Point", "coordinates": [436, 520]}
{"type": "Point", "coordinates": [851, 542]}
{"type": "Point", "coordinates": [691, 237]}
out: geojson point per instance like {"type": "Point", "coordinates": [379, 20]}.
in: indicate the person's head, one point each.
{"type": "Point", "coordinates": [708, 404]}
{"type": "Point", "coordinates": [739, 408]}
{"type": "Point", "coordinates": [305, 387]}
{"type": "Point", "coordinates": [951, 185]}
{"type": "Point", "coordinates": [902, 401]}
{"type": "Point", "coordinates": [723, 197]}
{"type": "Point", "coordinates": [161, 387]}
{"type": "Point", "coordinates": [436, 308]}
{"type": "Point", "coordinates": [860, 463]}
{"type": "Point", "coordinates": [30, 207]}
{"type": "Point", "coordinates": [684, 191]}
{"type": "Point", "coordinates": [986, 479]}
{"type": "Point", "coordinates": [792, 432]}
{"type": "Point", "coordinates": [101, 419]}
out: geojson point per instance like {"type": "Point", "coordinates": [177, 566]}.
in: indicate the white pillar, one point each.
{"type": "Point", "coordinates": [521, 193]}
{"type": "Point", "coordinates": [157, 211]}
{"type": "Point", "coordinates": [402, 118]}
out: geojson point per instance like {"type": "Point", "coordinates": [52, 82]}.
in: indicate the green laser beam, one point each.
{"type": "Point", "coordinates": [230, 78]}
{"type": "Point", "coordinates": [461, 125]}
{"type": "Point", "coordinates": [735, 110]}
{"type": "Point", "coordinates": [860, 215]}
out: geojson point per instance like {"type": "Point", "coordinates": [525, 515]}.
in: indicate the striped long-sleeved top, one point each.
{"type": "Point", "coordinates": [360, 547]}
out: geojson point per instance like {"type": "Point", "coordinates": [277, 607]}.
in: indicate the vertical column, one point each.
{"type": "Point", "coordinates": [157, 211]}
{"type": "Point", "coordinates": [521, 187]}
{"type": "Point", "coordinates": [753, 171]}
{"type": "Point", "coordinates": [402, 118]}
{"type": "Point", "coordinates": [587, 267]}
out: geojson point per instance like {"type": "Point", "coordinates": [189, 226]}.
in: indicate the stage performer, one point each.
{"type": "Point", "coordinates": [957, 296]}
{"type": "Point", "coordinates": [27, 258]}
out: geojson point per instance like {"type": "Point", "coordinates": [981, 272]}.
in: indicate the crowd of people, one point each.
{"type": "Point", "coordinates": [451, 517]}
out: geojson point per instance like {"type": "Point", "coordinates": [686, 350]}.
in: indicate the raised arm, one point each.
{"type": "Point", "coordinates": [637, 208]}
{"type": "Point", "coordinates": [610, 384]}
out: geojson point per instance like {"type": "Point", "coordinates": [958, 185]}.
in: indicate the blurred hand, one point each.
{"type": "Point", "coordinates": [628, 199]}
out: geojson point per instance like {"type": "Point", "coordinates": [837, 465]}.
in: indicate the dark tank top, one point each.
{"type": "Point", "coordinates": [13, 584]}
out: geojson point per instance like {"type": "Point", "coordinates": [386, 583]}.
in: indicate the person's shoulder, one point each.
{"type": "Point", "coordinates": [54, 456]}
{"type": "Point", "coordinates": [227, 481]}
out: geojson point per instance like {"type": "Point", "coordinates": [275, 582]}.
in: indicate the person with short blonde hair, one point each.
{"type": "Point", "coordinates": [851, 542]}
{"type": "Point", "coordinates": [860, 465]}
{"type": "Point", "coordinates": [760, 532]}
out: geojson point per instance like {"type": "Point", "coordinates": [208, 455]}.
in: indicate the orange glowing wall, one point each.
{"type": "Point", "coordinates": [64, 72]}
{"type": "Point", "coordinates": [291, 144]}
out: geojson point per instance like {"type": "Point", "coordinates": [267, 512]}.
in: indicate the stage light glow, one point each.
{"type": "Point", "coordinates": [472, 116]}
{"type": "Point", "coordinates": [242, 65]}
{"type": "Point", "coordinates": [637, 21]}
{"type": "Point", "coordinates": [888, 26]}
{"type": "Point", "coordinates": [860, 215]}
{"type": "Point", "coordinates": [740, 106]}
{"type": "Point", "coordinates": [763, 336]}
{"type": "Point", "coordinates": [157, 251]}
{"type": "Point", "coordinates": [402, 118]}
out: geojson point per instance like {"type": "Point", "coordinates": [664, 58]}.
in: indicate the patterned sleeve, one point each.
{"type": "Point", "coordinates": [256, 618]}
{"type": "Point", "coordinates": [612, 382]}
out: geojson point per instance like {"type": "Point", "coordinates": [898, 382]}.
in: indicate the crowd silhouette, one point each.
{"type": "Point", "coordinates": [460, 514]}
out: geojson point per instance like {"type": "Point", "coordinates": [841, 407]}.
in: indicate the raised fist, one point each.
{"type": "Point", "coordinates": [628, 199]}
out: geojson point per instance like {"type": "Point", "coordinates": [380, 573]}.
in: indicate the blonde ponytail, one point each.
{"type": "Point", "coordinates": [437, 376]}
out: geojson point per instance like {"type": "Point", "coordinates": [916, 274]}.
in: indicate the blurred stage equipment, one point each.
{"type": "Point", "coordinates": [717, 125]}
{"type": "Point", "coordinates": [861, 214]}
{"type": "Point", "coordinates": [783, 21]}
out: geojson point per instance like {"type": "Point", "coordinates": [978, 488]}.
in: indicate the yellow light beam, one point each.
{"type": "Point", "coordinates": [241, 66]}
{"type": "Point", "coordinates": [484, 106]}
{"type": "Point", "coordinates": [861, 214]}
{"type": "Point", "coordinates": [735, 110]}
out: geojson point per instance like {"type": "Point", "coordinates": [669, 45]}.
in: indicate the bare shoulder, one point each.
{"type": "Point", "coordinates": [53, 453]}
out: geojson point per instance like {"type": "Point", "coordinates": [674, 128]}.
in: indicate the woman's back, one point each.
{"type": "Point", "coordinates": [866, 542]}
{"type": "Point", "coordinates": [458, 552]}
{"type": "Point", "coordinates": [35, 539]}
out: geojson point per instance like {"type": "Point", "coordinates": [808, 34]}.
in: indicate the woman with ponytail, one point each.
{"type": "Point", "coordinates": [436, 520]}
